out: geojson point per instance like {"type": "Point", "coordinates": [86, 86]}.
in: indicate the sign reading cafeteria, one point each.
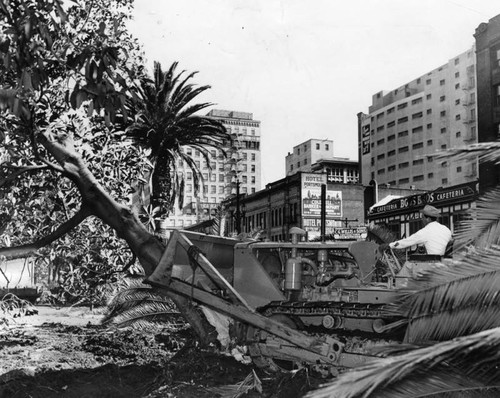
{"type": "Point", "coordinates": [311, 197]}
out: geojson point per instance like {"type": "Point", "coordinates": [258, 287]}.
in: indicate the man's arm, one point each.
{"type": "Point", "coordinates": [412, 240]}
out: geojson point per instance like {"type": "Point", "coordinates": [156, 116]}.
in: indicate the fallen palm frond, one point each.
{"type": "Point", "coordinates": [251, 383]}
{"type": "Point", "coordinates": [482, 228]}
{"type": "Point", "coordinates": [142, 307]}
{"type": "Point", "coordinates": [457, 298]}
{"type": "Point", "coordinates": [463, 367]}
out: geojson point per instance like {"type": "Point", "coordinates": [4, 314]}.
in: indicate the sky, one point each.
{"type": "Point", "coordinates": [305, 68]}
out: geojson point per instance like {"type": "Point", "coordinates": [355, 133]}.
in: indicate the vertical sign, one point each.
{"type": "Point", "coordinates": [311, 204]}
{"type": "Point", "coordinates": [365, 138]}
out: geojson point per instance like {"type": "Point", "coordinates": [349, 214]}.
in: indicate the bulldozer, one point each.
{"type": "Point", "coordinates": [322, 305]}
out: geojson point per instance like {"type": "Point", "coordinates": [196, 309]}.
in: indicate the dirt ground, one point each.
{"type": "Point", "coordinates": [64, 352]}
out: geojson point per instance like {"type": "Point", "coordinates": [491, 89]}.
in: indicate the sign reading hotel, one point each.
{"type": "Point", "coordinates": [311, 197]}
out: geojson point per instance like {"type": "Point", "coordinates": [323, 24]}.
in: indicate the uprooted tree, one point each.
{"type": "Point", "coordinates": [72, 82]}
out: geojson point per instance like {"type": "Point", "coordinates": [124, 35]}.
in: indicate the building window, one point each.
{"type": "Point", "coordinates": [442, 82]}
{"type": "Point", "coordinates": [391, 137]}
{"type": "Point", "coordinates": [459, 169]}
{"type": "Point", "coordinates": [291, 167]}
{"type": "Point", "coordinates": [380, 115]}
{"type": "Point", "coordinates": [417, 115]}
{"type": "Point", "coordinates": [298, 164]}
{"type": "Point", "coordinates": [403, 119]}
{"type": "Point", "coordinates": [380, 128]}
{"type": "Point", "coordinates": [429, 126]}
{"type": "Point", "coordinates": [380, 142]}
{"type": "Point", "coordinates": [391, 153]}
{"type": "Point", "coordinates": [442, 98]}
{"type": "Point", "coordinates": [457, 86]}
{"type": "Point", "coordinates": [391, 124]}
{"type": "Point", "coordinates": [391, 168]}
{"type": "Point", "coordinates": [443, 146]}
{"type": "Point", "coordinates": [457, 101]}
{"type": "Point", "coordinates": [416, 101]}
{"type": "Point", "coordinates": [473, 115]}
{"type": "Point", "coordinates": [317, 147]}
{"type": "Point", "coordinates": [458, 134]}
{"type": "Point", "coordinates": [443, 130]}
{"type": "Point", "coordinates": [430, 175]}
{"type": "Point", "coordinates": [252, 179]}
{"type": "Point", "coordinates": [428, 81]}
{"type": "Point", "coordinates": [457, 60]}
{"type": "Point", "coordinates": [429, 142]}
{"type": "Point", "coordinates": [327, 147]}
{"type": "Point", "coordinates": [443, 113]}
{"type": "Point", "coordinates": [428, 96]}
{"type": "Point", "coordinates": [404, 181]}
{"type": "Point", "coordinates": [418, 145]}
{"type": "Point", "coordinates": [418, 178]}
{"type": "Point", "coordinates": [403, 133]}
{"type": "Point", "coordinates": [458, 117]}
{"type": "Point", "coordinates": [298, 151]}
{"type": "Point", "coordinates": [381, 156]}
{"type": "Point", "coordinates": [404, 165]}
{"type": "Point", "coordinates": [429, 111]}
{"type": "Point", "coordinates": [252, 168]}
{"type": "Point", "coordinates": [403, 105]}
{"type": "Point", "coordinates": [390, 110]}
{"type": "Point", "coordinates": [419, 80]}
{"type": "Point", "coordinates": [418, 129]}
{"type": "Point", "coordinates": [403, 149]}
{"type": "Point", "coordinates": [381, 171]}
{"type": "Point", "coordinates": [497, 94]}
{"type": "Point", "coordinates": [444, 181]}
{"type": "Point", "coordinates": [417, 162]}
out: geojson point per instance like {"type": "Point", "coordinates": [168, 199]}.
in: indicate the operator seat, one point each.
{"type": "Point", "coordinates": [366, 254]}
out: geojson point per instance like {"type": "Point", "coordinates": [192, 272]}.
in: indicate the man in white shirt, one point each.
{"type": "Point", "coordinates": [434, 236]}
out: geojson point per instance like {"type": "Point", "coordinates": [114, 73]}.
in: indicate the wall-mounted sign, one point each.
{"type": "Point", "coordinates": [311, 197]}
{"type": "Point", "coordinates": [358, 233]}
{"type": "Point", "coordinates": [439, 197]}
{"type": "Point", "coordinates": [365, 139]}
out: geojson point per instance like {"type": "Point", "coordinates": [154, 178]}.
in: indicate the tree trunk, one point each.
{"type": "Point", "coordinates": [99, 203]}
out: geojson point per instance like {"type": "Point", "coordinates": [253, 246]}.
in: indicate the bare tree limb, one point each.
{"type": "Point", "coordinates": [63, 229]}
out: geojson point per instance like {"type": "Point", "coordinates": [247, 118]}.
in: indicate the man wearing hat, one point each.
{"type": "Point", "coordinates": [434, 236]}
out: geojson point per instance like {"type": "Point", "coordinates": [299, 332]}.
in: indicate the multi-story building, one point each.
{"type": "Point", "coordinates": [338, 170]}
{"type": "Point", "coordinates": [406, 126]}
{"type": "Point", "coordinates": [306, 154]}
{"type": "Point", "coordinates": [239, 170]}
{"type": "Point", "coordinates": [488, 94]}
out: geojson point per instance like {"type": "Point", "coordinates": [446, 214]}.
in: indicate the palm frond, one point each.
{"type": "Point", "coordinates": [459, 297]}
{"type": "Point", "coordinates": [484, 151]}
{"type": "Point", "coordinates": [251, 383]}
{"type": "Point", "coordinates": [465, 367]}
{"type": "Point", "coordinates": [482, 228]}
{"type": "Point", "coordinates": [142, 305]}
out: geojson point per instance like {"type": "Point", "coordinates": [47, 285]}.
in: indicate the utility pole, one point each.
{"type": "Point", "coordinates": [238, 212]}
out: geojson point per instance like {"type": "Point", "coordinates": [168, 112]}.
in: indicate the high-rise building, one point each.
{"type": "Point", "coordinates": [488, 94]}
{"type": "Point", "coordinates": [406, 126]}
{"type": "Point", "coordinates": [239, 169]}
{"type": "Point", "coordinates": [306, 154]}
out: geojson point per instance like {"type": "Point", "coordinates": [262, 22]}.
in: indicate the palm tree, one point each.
{"type": "Point", "coordinates": [168, 122]}
{"type": "Point", "coordinates": [452, 341]}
